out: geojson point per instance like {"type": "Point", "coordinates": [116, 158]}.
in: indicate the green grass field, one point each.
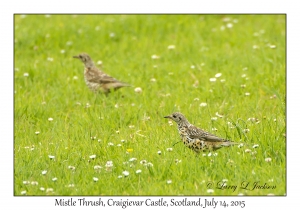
{"type": "Point", "coordinates": [174, 59]}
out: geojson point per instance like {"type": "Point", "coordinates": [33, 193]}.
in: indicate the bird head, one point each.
{"type": "Point", "coordinates": [85, 58]}
{"type": "Point", "coordinates": [177, 117]}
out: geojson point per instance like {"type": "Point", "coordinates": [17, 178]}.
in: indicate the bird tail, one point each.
{"type": "Point", "coordinates": [228, 143]}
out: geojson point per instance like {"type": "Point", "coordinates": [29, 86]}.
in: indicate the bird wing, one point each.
{"type": "Point", "coordinates": [104, 79]}
{"type": "Point", "coordinates": [197, 133]}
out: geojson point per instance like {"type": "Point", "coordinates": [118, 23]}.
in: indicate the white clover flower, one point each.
{"type": "Point", "coordinates": [71, 168]}
{"type": "Point", "coordinates": [272, 46]}
{"type": "Point", "coordinates": [203, 104]}
{"type": "Point", "coordinates": [171, 47]}
{"type": "Point", "coordinates": [268, 159]}
{"type": "Point", "coordinates": [152, 80]}
{"type": "Point", "coordinates": [122, 140]}
{"type": "Point", "coordinates": [210, 191]}
{"type": "Point", "coordinates": [247, 94]}
{"type": "Point", "coordinates": [75, 78]}
{"type": "Point", "coordinates": [149, 164]}
{"type": "Point", "coordinates": [120, 176]}
{"type": "Point", "coordinates": [131, 126]}
{"type": "Point", "coordinates": [253, 153]}
{"type": "Point", "coordinates": [109, 164]}
{"type": "Point", "coordinates": [246, 130]}
{"type": "Point", "coordinates": [138, 90]}
{"type": "Point", "coordinates": [92, 156]}
{"type": "Point", "coordinates": [125, 173]}
{"type": "Point", "coordinates": [255, 145]}
{"type": "Point", "coordinates": [209, 154]}
{"type": "Point", "coordinates": [119, 145]}
{"type": "Point", "coordinates": [23, 192]}
{"type": "Point", "coordinates": [54, 179]}
{"type": "Point", "coordinates": [132, 159]}
{"type": "Point", "coordinates": [99, 63]}
{"type": "Point", "coordinates": [62, 51]}
{"type": "Point", "coordinates": [37, 132]}
{"type": "Point", "coordinates": [71, 185]}
{"type": "Point", "coordinates": [214, 129]}
{"type": "Point", "coordinates": [49, 190]}
{"type": "Point", "coordinates": [192, 66]}
{"type": "Point", "coordinates": [95, 179]}
{"type": "Point", "coordinates": [97, 167]}
{"type": "Point", "coordinates": [240, 145]}
{"type": "Point", "coordinates": [222, 80]}
{"type": "Point", "coordinates": [213, 79]}
{"type": "Point", "coordinates": [51, 156]}
{"type": "Point", "coordinates": [42, 189]}
{"type": "Point", "coordinates": [169, 149]}
{"type": "Point", "coordinates": [26, 74]}
{"type": "Point", "coordinates": [169, 181]}
{"type": "Point", "coordinates": [50, 119]}
{"type": "Point", "coordinates": [247, 150]}
{"type": "Point", "coordinates": [229, 25]}
{"type": "Point", "coordinates": [154, 57]}
{"type": "Point", "coordinates": [50, 59]}
{"type": "Point", "coordinates": [218, 75]}
{"type": "Point", "coordinates": [177, 161]}
{"type": "Point", "coordinates": [159, 152]}
{"type": "Point", "coordinates": [110, 144]}
{"type": "Point", "coordinates": [44, 172]}
{"type": "Point", "coordinates": [219, 115]}
{"type": "Point", "coordinates": [26, 182]}
{"type": "Point", "coordinates": [143, 162]}
{"type": "Point", "coordinates": [138, 171]}
{"type": "Point", "coordinates": [214, 118]}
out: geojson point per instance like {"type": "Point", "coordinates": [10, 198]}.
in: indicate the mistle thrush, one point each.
{"type": "Point", "coordinates": [196, 138]}
{"type": "Point", "coordinates": [95, 79]}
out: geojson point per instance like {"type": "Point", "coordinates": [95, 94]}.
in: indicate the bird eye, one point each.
{"type": "Point", "coordinates": [174, 116]}
{"type": "Point", "coordinates": [80, 56]}
{"type": "Point", "coordinates": [179, 118]}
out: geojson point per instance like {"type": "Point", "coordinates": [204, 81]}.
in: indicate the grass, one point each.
{"type": "Point", "coordinates": [249, 52]}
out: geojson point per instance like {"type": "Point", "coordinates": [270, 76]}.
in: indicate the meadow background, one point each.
{"type": "Point", "coordinates": [225, 73]}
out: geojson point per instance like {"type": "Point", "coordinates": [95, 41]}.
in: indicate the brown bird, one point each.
{"type": "Point", "coordinates": [196, 138]}
{"type": "Point", "coordinates": [95, 79]}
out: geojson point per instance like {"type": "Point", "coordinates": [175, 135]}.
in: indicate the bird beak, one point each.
{"type": "Point", "coordinates": [167, 117]}
{"type": "Point", "coordinates": [75, 56]}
